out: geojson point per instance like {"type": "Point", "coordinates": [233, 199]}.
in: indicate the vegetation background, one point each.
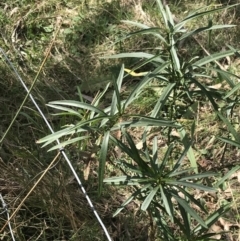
{"type": "Point", "coordinates": [86, 31]}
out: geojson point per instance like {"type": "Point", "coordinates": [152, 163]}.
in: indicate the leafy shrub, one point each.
{"type": "Point", "coordinates": [162, 181]}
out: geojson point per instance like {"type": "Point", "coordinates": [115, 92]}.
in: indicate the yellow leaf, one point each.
{"type": "Point", "coordinates": [132, 73]}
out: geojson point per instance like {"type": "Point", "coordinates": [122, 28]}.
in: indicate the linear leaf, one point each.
{"type": "Point", "coordinates": [53, 137]}
{"type": "Point", "coordinates": [228, 175]}
{"type": "Point", "coordinates": [186, 221]}
{"type": "Point", "coordinates": [78, 104]}
{"type": "Point", "coordinates": [202, 29]}
{"type": "Point", "coordinates": [126, 180]}
{"type": "Point", "coordinates": [230, 127]}
{"type": "Point", "coordinates": [189, 210]}
{"type": "Point", "coordinates": [179, 162]}
{"type": "Point", "coordinates": [206, 92]}
{"type": "Point", "coordinates": [123, 205]}
{"type": "Point", "coordinates": [149, 198]}
{"type": "Point", "coordinates": [196, 14]}
{"type": "Point", "coordinates": [213, 57]}
{"type": "Point", "coordinates": [162, 166]}
{"type": "Point", "coordinates": [192, 199]}
{"type": "Point", "coordinates": [134, 195]}
{"type": "Point", "coordinates": [163, 13]}
{"type": "Point", "coordinates": [191, 185]}
{"type": "Point", "coordinates": [154, 31]}
{"type": "Point", "coordinates": [69, 110]}
{"type": "Point", "coordinates": [133, 55]}
{"type": "Point", "coordinates": [170, 18]}
{"type": "Point", "coordinates": [213, 218]}
{"type": "Point", "coordinates": [200, 175]}
{"type": "Point", "coordinates": [178, 173]}
{"type": "Point", "coordinates": [229, 141]}
{"type": "Point", "coordinates": [136, 157]}
{"type": "Point", "coordinates": [167, 202]}
{"type": "Point", "coordinates": [232, 91]}
{"type": "Point", "coordinates": [68, 142]}
{"type": "Point", "coordinates": [190, 154]}
{"type": "Point", "coordinates": [102, 160]}
{"type": "Point", "coordinates": [145, 121]}
{"type": "Point", "coordinates": [137, 90]}
{"type": "Point", "coordinates": [136, 24]}
{"type": "Point", "coordinates": [116, 102]}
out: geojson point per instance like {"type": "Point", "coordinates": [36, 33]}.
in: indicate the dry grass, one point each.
{"type": "Point", "coordinates": [56, 209]}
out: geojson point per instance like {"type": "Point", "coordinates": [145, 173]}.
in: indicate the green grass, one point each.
{"type": "Point", "coordinates": [56, 209]}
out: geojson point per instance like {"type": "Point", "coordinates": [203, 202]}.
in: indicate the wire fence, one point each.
{"type": "Point", "coordinates": [61, 150]}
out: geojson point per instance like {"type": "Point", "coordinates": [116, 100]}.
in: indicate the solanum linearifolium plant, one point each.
{"type": "Point", "coordinates": [93, 122]}
{"type": "Point", "coordinates": [156, 183]}
{"type": "Point", "coordinates": [163, 186]}
{"type": "Point", "coordinates": [176, 74]}
{"type": "Point", "coordinates": [164, 189]}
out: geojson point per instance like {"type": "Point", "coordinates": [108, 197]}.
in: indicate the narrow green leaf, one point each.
{"type": "Point", "coordinates": [136, 24]}
{"type": "Point", "coordinates": [224, 75]}
{"type": "Point", "coordinates": [132, 152]}
{"type": "Point", "coordinates": [69, 110]}
{"type": "Point", "coordinates": [134, 195]}
{"type": "Point", "coordinates": [149, 198]}
{"type": "Point", "coordinates": [186, 221]}
{"type": "Point", "coordinates": [179, 162]}
{"type": "Point", "coordinates": [191, 185]}
{"type": "Point", "coordinates": [192, 199]}
{"type": "Point", "coordinates": [196, 14]}
{"type": "Point", "coordinates": [102, 160]}
{"type": "Point", "coordinates": [97, 99]}
{"type": "Point", "coordinates": [202, 29]}
{"type": "Point", "coordinates": [137, 90]}
{"type": "Point", "coordinates": [155, 153]}
{"type": "Point", "coordinates": [232, 91]}
{"type": "Point", "coordinates": [123, 205]}
{"type": "Point", "coordinates": [68, 142]}
{"type": "Point", "coordinates": [197, 176]}
{"type": "Point", "coordinates": [162, 165]}
{"type": "Point", "coordinates": [229, 141]}
{"type": "Point", "coordinates": [136, 157]}
{"type": "Point", "coordinates": [118, 179]}
{"type": "Point", "coordinates": [189, 210]}
{"type": "Point", "coordinates": [163, 13]}
{"type": "Point", "coordinates": [78, 104]}
{"type": "Point", "coordinates": [206, 92]}
{"type": "Point", "coordinates": [29, 118]}
{"type": "Point", "coordinates": [167, 203]}
{"type": "Point", "coordinates": [170, 19]}
{"type": "Point", "coordinates": [228, 175]}
{"type": "Point", "coordinates": [175, 56]}
{"type": "Point", "coordinates": [162, 100]}
{"type": "Point", "coordinates": [86, 123]}
{"type": "Point", "coordinates": [154, 31]}
{"type": "Point", "coordinates": [213, 57]}
{"type": "Point", "coordinates": [160, 66]}
{"type": "Point", "coordinates": [213, 218]}
{"type": "Point", "coordinates": [230, 127]}
{"type": "Point", "coordinates": [139, 55]}
{"type": "Point", "coordinates": [127, 180]}
{"type": "Point", "coordinates": [116, 102]}
{"type": "Point", "coordinates": [53, 137]}
{"type": "Point", "coordinates": [190, 154]}
{"type": "Point", "coordinates": [145, 121]}
{"type": "Point", "coordinates": [178, 173]}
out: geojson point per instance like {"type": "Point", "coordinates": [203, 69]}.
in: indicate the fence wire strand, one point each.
{"type": "Point", "coordinates": [5, 210]}
{"type": "Point", "coordinates": [58, 142]}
